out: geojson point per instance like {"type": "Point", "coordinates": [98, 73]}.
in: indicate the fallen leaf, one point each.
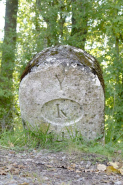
{"type": "Point", "coordinates": [116, 165]}
{"type": "Point", "coordinates": [11, 152]}
{"type": "Point", "coordinates": [121, 170]}
{"type": "Point", "coordinates": [9, 168]}
{"type": "Point", "coordinates": [15, 172]}
{"type": "Point", "coordinates": [73, 165]}
{"type": "Point", "coordinates": [2, 172]}
{"type": "Point", "coordinates": [78, 171]}
{"type": "Point", "coordinates": [88, 170]}
{"type": "Point", "coordinates": [111, 169]}
{"type": "Point", "coordinates": [21, 166]}
{"type": "Point", "coordinates": [105, 181]}
{"type": "Point", "coordinates": [49, 166]}
{"type": "Point", "coordinates": [101, 167]}
{"type": "Point", "coordinates": [71, 169]}
{"type": "Point", "coordinates": [25, 175]}
{"type": "Point", "coordinates": [15, 165]}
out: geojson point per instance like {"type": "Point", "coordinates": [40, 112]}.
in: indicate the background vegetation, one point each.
{"type": "Point", "coordinates": [93, 25]}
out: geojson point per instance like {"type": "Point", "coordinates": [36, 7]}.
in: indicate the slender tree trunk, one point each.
{"type": "Point", "coordinates": [48, 11]}
{"type": "Point", "coordinates": [40, 41]}
{"type": "Point", "coordinates": [62, 17]}
{"type": "Point", "coordinates": [117, 56]}
{"type": "Point", "coordinates": [79, 23]}
{"type": "Point", "coordinates": [7, 64]}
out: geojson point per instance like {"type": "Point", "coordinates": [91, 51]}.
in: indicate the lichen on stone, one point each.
{"type": "Point", "coordinates": [75, 54]}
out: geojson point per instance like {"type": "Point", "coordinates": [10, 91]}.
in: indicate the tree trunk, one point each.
{"type": "Point", "coordinates": [7, 64]}
{"type": "Point", "coordinates": [79, 23]}
{"type": "Point", "coordinates": [49, 12]}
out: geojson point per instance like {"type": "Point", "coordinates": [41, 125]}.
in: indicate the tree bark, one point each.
{"type": "Point", "coordinates": [48, 10]}
{"type": "Point", "coordinates": [7, 64]}
{"type": "Point", "coordinates": [79, 23]}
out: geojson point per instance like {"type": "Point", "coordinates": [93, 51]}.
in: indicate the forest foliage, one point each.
{"type": "Point", "coordinates": [93, 25]}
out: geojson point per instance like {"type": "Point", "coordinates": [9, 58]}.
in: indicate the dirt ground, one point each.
{"type": "Point", "coordinates": [61, 168]}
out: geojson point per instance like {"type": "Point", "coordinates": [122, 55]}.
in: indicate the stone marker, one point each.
{"type": "Point", "coordinates": [62, 87]}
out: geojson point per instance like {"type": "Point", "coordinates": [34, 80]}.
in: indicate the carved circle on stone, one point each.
{"type": "Point", "coordinates": [62, 112]}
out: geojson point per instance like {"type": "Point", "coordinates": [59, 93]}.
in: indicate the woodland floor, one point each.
{"type": "Point", "coordinates": [59, 168]}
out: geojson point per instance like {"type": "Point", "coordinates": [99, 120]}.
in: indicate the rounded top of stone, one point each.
{"type": "Point", "coordinates": [55, 54]}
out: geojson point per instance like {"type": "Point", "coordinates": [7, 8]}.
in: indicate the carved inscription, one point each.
{"type": "Point", "coordinates": [58, 111]}
{"type": "Point", "coordinates": [62, 112]}
{"type": "Point", "coordinates": [60, 80]}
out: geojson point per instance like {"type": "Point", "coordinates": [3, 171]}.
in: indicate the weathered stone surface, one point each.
{"type": "Point", "coordinates": [63, 87]}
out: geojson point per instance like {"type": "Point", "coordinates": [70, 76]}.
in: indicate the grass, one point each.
{"type": "Point", "coordinates": [27, 140]}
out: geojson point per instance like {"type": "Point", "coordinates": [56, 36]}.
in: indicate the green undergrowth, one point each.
{"type": "Point", "coordinates": [20, 140]}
